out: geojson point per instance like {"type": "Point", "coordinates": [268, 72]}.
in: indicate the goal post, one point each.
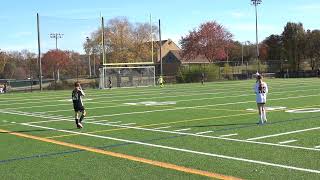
{"type": "Point", "coordinates": [131, 76]}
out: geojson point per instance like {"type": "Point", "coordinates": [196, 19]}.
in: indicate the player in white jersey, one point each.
{"type": "Point", "coordinates": [261, 90]}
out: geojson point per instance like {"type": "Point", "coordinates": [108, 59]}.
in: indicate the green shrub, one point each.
{"type": "Point", "coordinates": [192, 73]}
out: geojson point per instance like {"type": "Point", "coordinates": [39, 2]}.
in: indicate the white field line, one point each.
{"type": "Point", "coordinates": [129, 124]}
{"type": "Point", "coordinates": [148, 98]}
{"type": "Point", "coordinates": [190, 134]}
{"type": "Point", "coordinates": [229, 135]}
{"type": "Point", "coordinates": [204, 136]}
{"type": "Point", "coordinates": [180, 130]}
{"type": "Point", "coordinates": [192, 107]}
{"type": "Point", "coordinates": [117, 100]}
{"type": "Point", "coordinates": [185, 150]}
{"type": "Point", "coordinates": [115, 122]}
{"type": "Point", "coordinates": [285, 133]}
{"type": "Point", "coordinates": [205, 132]}
{"type": "Point", "coordinates": [243, 84]}
{"type": "Point", "coordinates": [317, 147]}
{"type": "Point", "coordinates": [166, 127]}
{"type": "Point", "coordinates": [287, 142]}
{"type": "Point", "coordinates": [115, 95]}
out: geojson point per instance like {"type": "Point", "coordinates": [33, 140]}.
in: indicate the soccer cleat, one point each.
{"type": "Point", "coordinates": [79, 126]}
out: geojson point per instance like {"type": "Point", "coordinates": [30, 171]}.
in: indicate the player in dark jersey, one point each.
{"type": "Point", "coordinates": [202, 78]}
{"type": "Point", "coordinates": [78, 107]}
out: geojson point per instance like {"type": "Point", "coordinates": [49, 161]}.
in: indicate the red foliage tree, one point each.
{"type": "Point", "coordinates": [211, 40]}
{"type": "Point", "coordinates": [263, 51]}
{"type": "Point", "coordinates": [54, 60]}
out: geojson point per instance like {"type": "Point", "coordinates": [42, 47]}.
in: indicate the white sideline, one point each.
{"type": "Point", "coordinates": [180, 130]}
{"type": "Point", "coordinates": [166, 127]}
{"type": "Point", "coordinates": [205, 132]}
{"type": "Point", "coordinates": [228, 135]}
{"type": "Point", "coordinates": [184, 150]}
{"type": "Point", "coordinates": [287, 142]}
{"type": "Point", "coordinates": [317, 147]}
{"type": "Point", "coordinates": [114, 122]}
{"type": "Point", "coordinates": [128, 124]}
{"type": "Point", "coordinates": [281, 134]}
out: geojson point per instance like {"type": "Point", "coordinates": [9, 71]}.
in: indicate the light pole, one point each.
{"type": "Point", "coordinates": [89, 51]}
{"type": "Point", "coordinates": [160, 44]}
{"type": "Point", "coordinates": [256, 3]}
{"type": "Point", "coordinates": [242, 50]}
{"type": "Point", "coordinates": [56, 36]}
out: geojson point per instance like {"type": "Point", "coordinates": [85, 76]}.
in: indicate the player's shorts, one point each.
{"type": "Point", "coordinates": [78, 108]}
{"type": "Point", "coordinates": [261, 102]}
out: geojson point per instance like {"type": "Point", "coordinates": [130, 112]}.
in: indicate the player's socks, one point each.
{"type": "Point", "coordinates": [265, 117]}
{"type": "Point", "coordinates": [81, 118]}
{"type": "Point", "coordinates": [261, 119]}
{"type": "Point", "coordinates": [77, 123]}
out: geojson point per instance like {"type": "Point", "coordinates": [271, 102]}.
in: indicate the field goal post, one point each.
{"type": "Point", "coordinates": [127, 75]}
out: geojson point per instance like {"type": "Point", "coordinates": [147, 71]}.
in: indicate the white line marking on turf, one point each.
{"type": "Point", "coordinates": [166, 127]}
{"type": "Point", "coordinates": [205, 132]}
{"type": "Point", "coordinates": [155, 91]}
{"type": "Point", "coordinates": [115, 122]}
{"type": "Point", "coordinates": [210, 137]}
{"type": "Point", "coordinates": [192, 107]}
{"type": "Point", "coordinates": [183, 150]}
{"type": "Point", "coordinates": [197, 99]}
{"type": "Point", "coordinates": [281, 134]}
{"type": "Point", "coordinates": [228, 135]}
{"type": "Point", "coordinates": [179, 130]}
{"type": "Point", "coordinates": [128, 124]}
{"type": "Point", "coordinates": [317, 147]}
{"type": "Point", "coordinates": [197, 135]}
{"type": "Point", "coordinates": [287, 142]}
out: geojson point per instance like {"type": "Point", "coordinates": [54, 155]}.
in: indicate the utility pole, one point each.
{"type": "Point", "coordinates": [160, 44]}
{"type": "Point", "coordinates": [151, 36]}
{"type": "Point", "coordinates": [256, 3]}
{"type": "Point", "coordinates": [39, 53]}
{"type": "Point", "coordinates": [89, 51]}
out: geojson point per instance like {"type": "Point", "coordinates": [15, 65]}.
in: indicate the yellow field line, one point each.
{"type": "Point", "coordinates": [148, 125]}
{"type": "Point", "coordinates": [124, 156]}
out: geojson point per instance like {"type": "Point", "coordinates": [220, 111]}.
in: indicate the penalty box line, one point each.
{"type": "Point", "coordinates": [124, 156]}
{"type": "Point", "coordinates": [182, 150]}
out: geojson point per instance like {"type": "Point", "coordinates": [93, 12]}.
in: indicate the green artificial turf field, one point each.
{"type": "Point", "coordinates": [185, 131]}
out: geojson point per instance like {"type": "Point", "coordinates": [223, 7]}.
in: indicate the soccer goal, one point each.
{"type": "Point", "coordinates": [134, 76]}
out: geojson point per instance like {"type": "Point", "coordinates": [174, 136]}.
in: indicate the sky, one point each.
{"type": "Point", "coordinates": [76, 19]}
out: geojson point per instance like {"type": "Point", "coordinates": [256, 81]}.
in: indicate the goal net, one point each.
{"type": "Point", "coordinates": [135, 76]}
